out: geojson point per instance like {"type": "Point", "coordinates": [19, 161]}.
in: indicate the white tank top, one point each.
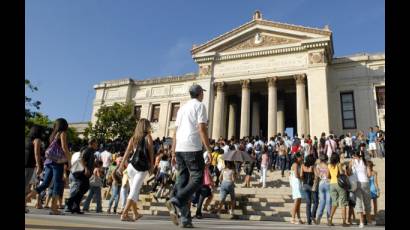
{"type": "Point", "coordinates": [360, 170]}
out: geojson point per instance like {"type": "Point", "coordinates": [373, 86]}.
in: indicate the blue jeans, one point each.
{"type": "Point", "coordinates": [190, 174]}
{"type": "Point", "coordinates": [94, 191]}
{"type": "Point", "coordinates": [79, 185]}
{"type": "Point", "coordinates": [115, 196]}
{"type": "Point", "coordinates": [52, 171]}
{"type": "Point", "coordinates": [324, 199]}
{"type": "Point", "coordinates": [282, 163]}
{"type": "Point", "coordinates": [311, 211]}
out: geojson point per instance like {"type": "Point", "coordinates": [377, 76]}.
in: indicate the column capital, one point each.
{"type": "Point", "coordinates": [220, 85]}
{"type": "Point", "coordinates": [245, 83]}
{"type": "Point", "coordinates": [272, 81]}
{"type": "Point", "coordinates": [300, 78]}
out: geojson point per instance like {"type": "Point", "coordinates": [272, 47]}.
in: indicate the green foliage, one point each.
{"type": "Point", "coordinates": [116, 121]}
{"type": "Point", "coordinates": [37, 119]}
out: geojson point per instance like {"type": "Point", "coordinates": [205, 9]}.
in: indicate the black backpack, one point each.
{"type": "Point", "coordinates": [139, 158]}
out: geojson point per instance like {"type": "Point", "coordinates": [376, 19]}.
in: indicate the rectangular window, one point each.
{"type": "Point", "coordinates": [380, 97]}
{"type": "Point", "coordinates": [155, 113]}
{"type": "Point", "coordinates": [137, 112]}
{"type": "Point", "coordinates": [348, 110]}
{"type": "Point", "coordinates": [174, 111]}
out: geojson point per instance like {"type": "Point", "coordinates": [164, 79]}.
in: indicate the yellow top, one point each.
{"type": "Point", "coordinates": [333, 173]}
{"type": "Point", "coordinates": [215, 156]}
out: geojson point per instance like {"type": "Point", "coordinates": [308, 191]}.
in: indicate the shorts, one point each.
{"type": "Point", "coordinates": [227, 187]}
{"type": "Point", "coordinates": [352, 199]}
{"type": "Point", "coordinates": [372, 146]}
{"type": "Point", "coordinates": [338, 195]}
{"type": "Point", "coordinates": [249, 168]}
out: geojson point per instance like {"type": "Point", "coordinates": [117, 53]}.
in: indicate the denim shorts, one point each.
{"type": "Point", "coordinates": [227, 187]}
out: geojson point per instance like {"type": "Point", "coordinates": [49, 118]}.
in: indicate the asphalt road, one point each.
{"type": "Point", "coordinates": [39, 219]}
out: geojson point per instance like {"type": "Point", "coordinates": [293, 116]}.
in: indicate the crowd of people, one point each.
{"type": "Point", "coordinates": [328, 172]}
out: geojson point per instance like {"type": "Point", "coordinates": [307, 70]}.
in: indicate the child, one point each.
{"type": "Point", "coordinates": [116, 179]}
{"type": "Point", "coordinates": [227, 186]}
{"type": "Point", "coordinates": [164, 168]}
{"type": "Point", "coordinates": [95, 188]}
{"type": "Point", "coordinates": [264, 166]}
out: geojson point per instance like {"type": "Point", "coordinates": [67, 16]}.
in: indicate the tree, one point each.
{"type": "Point", "coordinates": [32, 117]}
{"type": "Point", "coordinates": [37, 119]}
{"type": "Point", "coordinates": [113, 122]}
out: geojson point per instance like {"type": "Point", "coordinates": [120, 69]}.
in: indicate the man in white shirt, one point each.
{"type": "Point", "coordinates": [106, 158]}
{"type": "Point", "coordinates": [191, 130]}
{"type": "Point", "coordinates": [348, 145]}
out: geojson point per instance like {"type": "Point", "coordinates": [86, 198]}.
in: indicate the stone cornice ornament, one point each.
{"type": "Point", "coordinates": [220, 85]}
{"type": "Point", "coordinates": [272, 81]}
{"type": "Point", "coordinates": [300, 78]}
{"type": "Point", "coordinates": [204, 70]}
{"type": "Point", "coordinates": [246, 83]}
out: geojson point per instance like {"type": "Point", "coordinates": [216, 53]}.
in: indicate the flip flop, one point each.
{"type": "Point", "coordinates": [138, 216]}
{"type": "Point", "coordinates": [58, 213]}
{"type": "Point", "coordinates": [126, 218]}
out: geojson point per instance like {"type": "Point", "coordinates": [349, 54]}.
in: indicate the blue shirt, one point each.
{"type": "Point", "coordinates": [371, 136]}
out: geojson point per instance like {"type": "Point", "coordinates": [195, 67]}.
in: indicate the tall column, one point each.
{"type": "Point", "coordinates": [245, 108]}
{"type": "Point", "coordinates": [301, 104]}
{"type": "Point", "coordinates": [272, 106]}
{"type": "Point", "coordinates": [281, 116]}
{"type": "Point", "coordinates": [255, 118]}
{"type": "Point", "coordinates": [218, 110]}
{"type": "Point", "coordinates": [232, 120]}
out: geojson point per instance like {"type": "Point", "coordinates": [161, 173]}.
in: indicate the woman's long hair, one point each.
{"type": "Point", "coordinates": [60, 125]}
{"type": "Point", "coordinates": [143, 128]}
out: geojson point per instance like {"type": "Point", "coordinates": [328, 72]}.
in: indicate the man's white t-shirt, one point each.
{"type": "Point", "coordinates": [187, 133]}
{"type": "Point", "coordinates": [249, 146]}
{"type": "Point", "coordinates": [226, 149]}
{"type": "Point", "coordinates": [106, 158]}
{"type": "Point", "coordinates": [348, 141]}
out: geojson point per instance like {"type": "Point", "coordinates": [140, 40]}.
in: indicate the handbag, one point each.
{"type": "Point", "coordinates": [139, 159]}
{"type": "Point", "coordinates": [207, 177]}
{"type": "Point", "coordinates": [55, 153]}
{"type": "Point", "coordinates": [315, 185]}
{"type": "Point", "coordinates": [353, 182]}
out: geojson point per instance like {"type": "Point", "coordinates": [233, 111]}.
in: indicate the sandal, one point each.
{"type": "Point", "coordinates": [293, 221]}
{"type": "Point", "coordinates": [138, 217]}
{"type": "Point", "coordinates": [56, 213]}
{"type": "Point", "coordinates": [126, 218]}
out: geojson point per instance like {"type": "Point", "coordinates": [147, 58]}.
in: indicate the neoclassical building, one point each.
{"type": "Point", "coordinates": [262, 78]}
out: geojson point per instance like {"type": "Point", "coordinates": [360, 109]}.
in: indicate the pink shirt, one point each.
{"type": "Point", "coordinates": [265, 159]}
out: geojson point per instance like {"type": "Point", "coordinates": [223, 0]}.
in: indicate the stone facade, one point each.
{"type": "Point", "coordinates": [261, 78]}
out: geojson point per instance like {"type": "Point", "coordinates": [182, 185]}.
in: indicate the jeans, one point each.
{"type": "Point", "coordinates": [79, 185]}
{"type": "Point", "coordinates": [123, 196]}
{"type": "Point", "coordinates": [52, 171]}
{"type": "Point", "coordinates": [324, 199]}
{"type": "Point", "coordinates": [289, 160]}
{"type": "Point", "coordinates": [190, 174]}
{"type": "Point", "coordinates": [94, 191]}
{"type": "Point", "coordinates": [282, 163]}
{"type": "Point", "coordinates": [311, 211]}
{"type": "Point", "coordinates": [263, 175]}
{"type": "Point", "coordinates": [115, 196]}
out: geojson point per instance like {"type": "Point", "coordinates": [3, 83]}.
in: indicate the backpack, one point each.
{"type": "Point", "coordinates": [139, 159]}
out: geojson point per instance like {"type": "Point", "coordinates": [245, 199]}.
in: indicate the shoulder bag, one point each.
{"type": "Point", "coordinates": [139, 159]}
{"type": "Point", "coordinates": [55, 152]}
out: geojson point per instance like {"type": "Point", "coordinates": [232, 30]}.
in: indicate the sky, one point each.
{"type": "Point", "coordinates": [72, 45]}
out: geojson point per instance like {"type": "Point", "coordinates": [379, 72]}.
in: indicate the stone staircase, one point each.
{"type": "Point", "coordinates": [273, 203]}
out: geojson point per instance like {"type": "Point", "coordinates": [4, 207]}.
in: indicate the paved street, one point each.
{"type": "Point", "coordinates": [39, 219]}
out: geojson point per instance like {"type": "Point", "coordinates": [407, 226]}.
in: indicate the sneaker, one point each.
{"type": "Point", "coordinates": [173, 212]}
{"type": "Point", "coordinates": [198, 216]}
{"type": "Point", "coordinates": [374, 223]}
{"type": "Point", "coordinates": [187, 225]}
{"type": "Point", "coordinates": [361, 225]}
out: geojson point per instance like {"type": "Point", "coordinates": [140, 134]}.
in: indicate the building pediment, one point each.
{"type": "Point", "coordinates": [261, 33]}
{"type": "Point", "coordinates": [254, 40]}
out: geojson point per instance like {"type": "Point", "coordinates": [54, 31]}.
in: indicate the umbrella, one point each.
{"type": "Point", "coordinates": [237, 155]}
